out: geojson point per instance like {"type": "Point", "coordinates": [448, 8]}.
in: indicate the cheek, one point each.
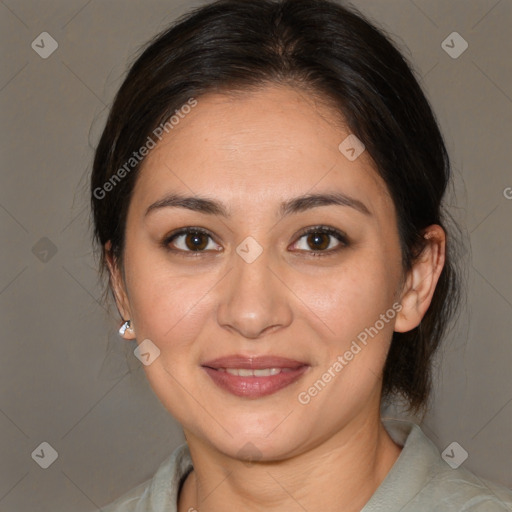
{"type": "Point", "coordinates": [356, 309]}
{"type": "Point", "coordinates": [351, 297]}
{"type": "Point", "coordinates": [161, 295]}
{"type": "Point", "coordinates": [170, 309]}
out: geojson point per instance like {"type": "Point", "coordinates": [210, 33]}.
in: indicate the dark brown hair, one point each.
{"type": "Point", "coordinates": [333, 52]}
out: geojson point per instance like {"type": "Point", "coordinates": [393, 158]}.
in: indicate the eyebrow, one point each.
{"type": "Point", "coordinates": [288, 207]}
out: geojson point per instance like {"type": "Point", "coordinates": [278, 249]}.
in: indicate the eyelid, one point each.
{"type": "Point", "coordinates": [324, 229]}
{"type": "Point", "coordinates": [186, 230]}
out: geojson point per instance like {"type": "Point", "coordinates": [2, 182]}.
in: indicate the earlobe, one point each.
{"type": "Point", "coordinates": [126, 329]}
{"type": "Point", "coordinates": [422, 280]}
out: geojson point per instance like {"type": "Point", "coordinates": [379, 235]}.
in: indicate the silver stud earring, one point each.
{"type": "Point", "coordinates": [126, 326]}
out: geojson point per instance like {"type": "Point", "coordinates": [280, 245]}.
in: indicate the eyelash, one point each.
{"type": "Point", "coordinates": [340, 236]}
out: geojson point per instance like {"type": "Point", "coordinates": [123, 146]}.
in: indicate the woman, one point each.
{"type": "Point", "coordinates": [267, 195]}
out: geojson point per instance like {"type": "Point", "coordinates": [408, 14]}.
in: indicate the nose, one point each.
{"type": "Point", "coordinates": [254, 300]}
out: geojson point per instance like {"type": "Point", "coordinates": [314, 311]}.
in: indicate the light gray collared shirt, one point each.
{"type": "Point", "coordinates": [419, 481]}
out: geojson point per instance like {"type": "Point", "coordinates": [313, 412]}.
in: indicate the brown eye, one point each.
{"type": "Point", "coordinates": [318, 241]}
{"type": "Point", "coordinates": [196, 241]}
{"type": "Point", "coordinates": [322, 240]}
{"type": "Point", "coordinates": [189, 240]}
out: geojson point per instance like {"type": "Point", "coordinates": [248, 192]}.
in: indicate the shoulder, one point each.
{"type": "Point", "coordinates": [464, 491]}
{"type": "Point", "coordinates": [421, 480]}
{"type": "Point", "coordinates": [159, 493]}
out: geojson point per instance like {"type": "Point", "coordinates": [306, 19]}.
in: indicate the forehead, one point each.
{"type": "Point", "coordinates": [273, 142]}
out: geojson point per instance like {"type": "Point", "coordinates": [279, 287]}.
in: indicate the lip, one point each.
{"type": "Point", "coordinates": [253, 386]}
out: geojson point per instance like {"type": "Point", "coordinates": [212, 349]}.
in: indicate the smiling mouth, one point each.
{"type": "Point", "coordinates": [254, 377]}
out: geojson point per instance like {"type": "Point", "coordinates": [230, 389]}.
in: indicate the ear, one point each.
{"type": "Point", "coordinates": [421, 280]}
{"type": "Point", "coordinates": [118, 288]}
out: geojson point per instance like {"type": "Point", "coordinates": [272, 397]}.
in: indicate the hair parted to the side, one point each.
{"type": "Point", "coordinates": [335, 54]}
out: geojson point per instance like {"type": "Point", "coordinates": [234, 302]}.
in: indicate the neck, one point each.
{"type": "Point", "coordinates": [341, 473]}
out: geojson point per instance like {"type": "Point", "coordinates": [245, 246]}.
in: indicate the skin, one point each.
{"type": "Point", "coordinates": [252, 151]}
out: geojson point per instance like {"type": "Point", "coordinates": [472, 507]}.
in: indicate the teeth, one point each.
{"type": "Point", "coordinates": [244, 372]}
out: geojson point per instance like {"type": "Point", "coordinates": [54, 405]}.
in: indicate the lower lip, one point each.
{"type": "Point", "coordinates": [254, 387]}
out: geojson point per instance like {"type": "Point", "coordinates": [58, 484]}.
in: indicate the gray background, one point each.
{"type": "Point", "coordinates": [65, 376]}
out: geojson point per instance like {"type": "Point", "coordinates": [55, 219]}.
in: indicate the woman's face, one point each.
{"type": "Point", "coordinates": [258, 285]}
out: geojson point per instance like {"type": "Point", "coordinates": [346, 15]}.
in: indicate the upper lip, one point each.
{"type": "Point", "coordinates": [253, 362]}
